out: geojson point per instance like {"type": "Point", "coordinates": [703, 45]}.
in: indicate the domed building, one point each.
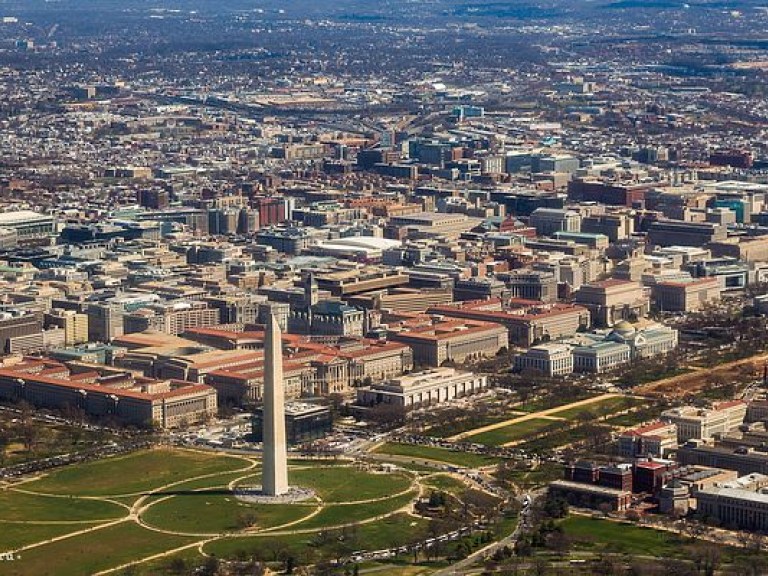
{"type": "Point", "coordinates": [600, 352]}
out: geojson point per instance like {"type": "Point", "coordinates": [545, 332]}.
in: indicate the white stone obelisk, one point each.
{"type": "Point", "coordinates": [274, 481]}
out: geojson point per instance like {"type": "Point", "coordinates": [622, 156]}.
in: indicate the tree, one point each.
{"type": "Point", "coordinates": [177, 566]}
{"type": "Point", "coordinates": [555, 507]}
{"type": "Point", "coordinates": [706, 558]}
{"type": "Point", "coordinates": [246, 520]}
{"type": "Point", "coordinates": [5, 441]}
{"type": "Point", "coordinates": [210, 567]}
{"type": "Point", "coordinates": [559, 542]}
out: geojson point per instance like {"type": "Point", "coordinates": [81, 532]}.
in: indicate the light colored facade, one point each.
{"type": "Point", "coordinates": [656, 439]}
{"type": "Point", "coordinates": [601, 357]}
{"type": "Point", "coordinates": [173, 319]}
{"type": "Point", "coordinates": [275, 449]}
{"type": "Point", "coordinates": [686, 296]}
{"type": "Point", "coordinates": [528, 324]}
{"type": "Point", "coordinates": [312, 369]}
{"type": "Point", "coordinates": [551, 359]}
{"type": "Point", "coordinates": [423, 389]}
{"type": "Point", "coordinates": [75, 325]}
{"type": "Point", "coordinates": [611, 301]}
{"type": "Point", "coordinates": [604, 352]}
{"type": "Point", "coordinates": [550, 220]}
{"type": "Point", "coordinates": [37, 342]}
{"type": "Point", "coordinates": [532, 285]}
{"type": "Point", "coordinates": [328, 318]}
{"type": "Point", "coordinates": [734, 507]}
{"type": "Point", "coordinates": [27, 224]}
{"type": "Point", "coordinates": [701, 424]}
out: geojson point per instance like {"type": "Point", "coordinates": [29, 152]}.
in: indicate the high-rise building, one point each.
{"type": "Point", "coordinates": [75, 325]}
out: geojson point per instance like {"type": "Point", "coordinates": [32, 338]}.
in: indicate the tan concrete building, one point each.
{"type": "Point", "coordinates": [422, 389]}
{"type": "Point", "coordinates": [613, 300]}
{"type": "Point", "coordinates": [74, 324]}
{"type": "Point", "coordinates": [686, 296]}
{"type": "Point", "coordinates": [174, 318]}
{"type": "Point", "coordinates": [702, 424]}
{"type": "Point", "coordinates": [550, 359]}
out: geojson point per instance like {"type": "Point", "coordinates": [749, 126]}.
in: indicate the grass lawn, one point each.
{"type": "Point", "coordinates": [445, 429]}
{"type": "Point", "coordinates": [339, 514]}
{"type": "Point", "coordinates": [219, 481]}
{"type": "Point", "coordinates": [215, 513]}
{"type": "Point", "coordinates": [539, 476]}
{"type": "Point", "coordinates": [89, 553]}
{"type": "Point", "coordinates": [136, 472]}
{"type": "Point", "coordinates": [629, 419]}
{"type": "Point", "coordinates": [445, 483]}
{"type": "Point", "coordinates": [560, 438]}
{"type": "Point", "coordinates": [395, 530]}
{"type": "Point", "coordinates": [601, 408]}
{"type": "Point", "coordinates": [20, 506]}
{"type": "Point", "coordinates": [551, 401]}
{"type": "Point", "coordinates": [594, 534]}
{"type": "Point", "coordinates": [349, 484]}
{"type": "Point", "coordinates": [513, 432]}
{"type": "Point", "coordinates": [465, 459]}
{"type": "Point", "coordinates": [13, 536]}
{"type": "Point", "coordinates": [165, 567]}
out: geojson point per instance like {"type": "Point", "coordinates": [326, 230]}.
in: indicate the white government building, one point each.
{"type": "Point", "coordinates": [423, 388]}
{"type": "Point", "coordinates": [600, 351]}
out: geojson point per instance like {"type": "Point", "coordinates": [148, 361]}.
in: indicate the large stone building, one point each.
{"type": "Point", "coordinates": [451, 340]}
{"type": "Point", "coordinates": [613, 300]}
{"type": "Point", "coordinates": [137, 401]}
{"type": "Point", "coordinates": [702, 424]}
{"type": "Point", "coordinates": [422, 389]}
{"type": "Point", "coordinates": [312, 369]}
{"type": "Point", "coordinates": [173, 318]}
{"type": "Point", "coordinates": [550, 220]}
{"type": "Point", "coordinates": [74, 324]}
{"type": "Point", "coordinates": [550, 359]}
{"type": "Point", "coordinates": [28, 225]}
{"type": "Point", "coordinates": [328, 318]}
{"type": "Point", "coordinates": [734, 507]}
{"type": "Point", "coordinates": [742, 460]}
{"type": "Point", "coordinates": [527, 322]}
{"type": "Point", "coordinates": [656, 439]}
{"type": "Point", "coordinates": [677, 233]}
{"type": "Point", "coordinates": [532, 285]}
{"type": "Point", "coordinates": [686, 296]}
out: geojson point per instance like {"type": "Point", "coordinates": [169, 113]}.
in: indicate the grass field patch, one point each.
{"type": "Point", "coordinates": [135, 472]}
{"type": "Point", "coordinates": [513, 432]}
{"type": "Point", "coordinates": [463, 459]}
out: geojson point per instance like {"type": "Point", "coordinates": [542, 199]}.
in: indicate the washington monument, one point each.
{"type": "Point", "coordinates": [274, 480]}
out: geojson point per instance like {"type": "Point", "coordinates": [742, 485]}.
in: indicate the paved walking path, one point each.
{"type": "Point", "coordinates": [547, 414]}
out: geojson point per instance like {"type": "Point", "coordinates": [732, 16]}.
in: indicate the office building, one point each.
{"type": "Point", "coordinates": [547, 221]}
{"type": "Point", "coordinates": [137, 401]}
{"type": "Point", "coordinates": [705, 423]}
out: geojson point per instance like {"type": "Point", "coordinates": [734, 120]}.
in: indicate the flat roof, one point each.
{"type": "Point", "coordinates": [20, 216]}
{"type": "Point", "coordinates": [736, 494]}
